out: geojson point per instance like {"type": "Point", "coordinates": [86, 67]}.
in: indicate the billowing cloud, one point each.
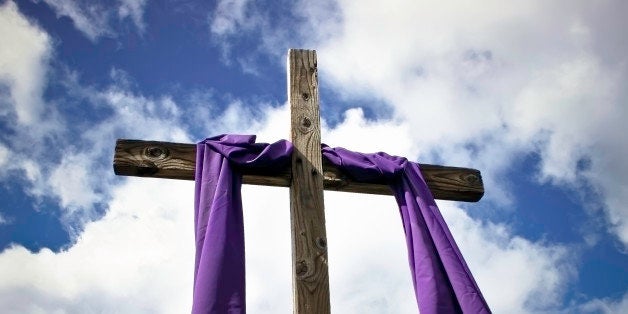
{"type": "Point", "coordinates": [23, 78]}
{"type": "Point", "coordinates": [23, 66]}
{"type": "Point", "coordinates": [88, 160]}
{"type": "Point", "coordinates": [606, 306]}
{"type": "Point", "coordinates": [537, 273]}
{"type": "Point", "coordinates": [71, 180]}
{"type": "Point", "coordinates": [34, 122]}
{"type": "Point", "coordinates": [132, 260]}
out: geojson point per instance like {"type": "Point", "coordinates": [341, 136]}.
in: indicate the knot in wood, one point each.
{"type": "Point", "coordinates": [331, 179]}
{"type": "Point", "coordinates": [321, 243]}
{"type": "Point", "coordinates": [472, 178]}
{"type": "Point", "coordinates": [305, 124]}
{"type": "Point", "coordinates": [301, 269]}
{"type": "Point", "coordinates": [156, 152]}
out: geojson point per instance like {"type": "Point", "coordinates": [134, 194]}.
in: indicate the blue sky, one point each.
{"type": "Point", "coordinates": [531, 93]}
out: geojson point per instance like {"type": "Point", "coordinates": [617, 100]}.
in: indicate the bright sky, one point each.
{"type": "Point", "coordinates": [532, 93]}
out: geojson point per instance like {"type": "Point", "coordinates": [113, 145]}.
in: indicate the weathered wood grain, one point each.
{"type": "Point", "coordinates": [177, 161]}
{"type": "Point", "coordinates": [310, 277]}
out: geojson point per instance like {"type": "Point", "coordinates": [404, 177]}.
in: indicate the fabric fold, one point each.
{"type": "Point", "coordinates": [442, 281]}
{"type": "Point", "coordinates": [219, 283]}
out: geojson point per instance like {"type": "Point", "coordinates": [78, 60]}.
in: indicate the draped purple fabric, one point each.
{"type": "Point", "coordinates": [442, 281]}
{"type": "Point", "coordinates": [219, 230]}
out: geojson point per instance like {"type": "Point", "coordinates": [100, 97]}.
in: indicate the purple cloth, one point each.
{"type": "Point", "coordinates": [442, 281]}
{"type": "Point", "coordinates": [219, 230]}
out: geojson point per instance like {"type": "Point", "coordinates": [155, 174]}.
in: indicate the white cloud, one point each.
{"type": "Point", "coordinates": [500, 258]}
{"type": "Point", "coordinates": [83, 176]}
{"type": "Point", "coordinates": [359, 134]}
{"type": "Point", "coordinates": [73, 183]}
{"type": "Point", "coordinates": [133, 260]}
{"type": "Point", "coordinates": [606, 306]}
{"type": "Point", "coordinates": [4, 156]}
{"type": "Point", "coordinates": [4, 220]}
{"type": "Point", "coordinates": [135, 10]}
{"type": "Point", "coordinates": [234, 22]}
{"type": "Point", "coordinates": [229, 16]}
{"type": "Point", "coordinates": [95, 20]}
{"type": "Point", "coordinates": [275, 124]}
{"type": "Point", "coordinates": [368, 263]}
{"type": "Point", "coordinates": [138, 116]}
{"type": "Point", "coordinates": [89, 18]}
{"type": "Point", "coordinates": [23, 72]}
{"type": "Point", "coordinates": [23, 65]}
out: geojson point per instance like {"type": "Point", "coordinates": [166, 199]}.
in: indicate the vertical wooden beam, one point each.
{"type": "Point", "coordinates": [310, 278]}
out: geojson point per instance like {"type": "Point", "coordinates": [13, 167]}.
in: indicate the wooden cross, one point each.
{"type": "Point", "coordinates": [307, 177]}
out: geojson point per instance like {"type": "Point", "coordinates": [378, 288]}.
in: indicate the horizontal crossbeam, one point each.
{"type": "Point", "coordinates": [177, 161]}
